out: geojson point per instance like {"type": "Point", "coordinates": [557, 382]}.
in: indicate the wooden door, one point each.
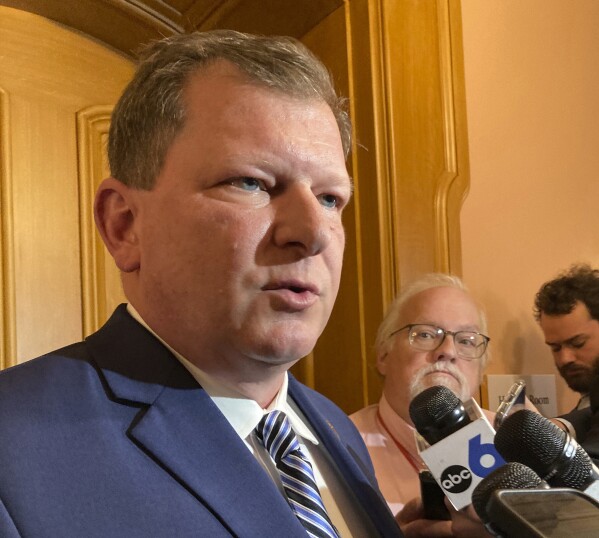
{"type": "Point", "coordinates": [57, 88]}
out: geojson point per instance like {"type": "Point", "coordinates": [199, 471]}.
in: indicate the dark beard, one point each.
{"type": "Point", "coordinates": [580, 383]}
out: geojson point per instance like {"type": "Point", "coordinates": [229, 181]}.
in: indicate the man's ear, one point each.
{"type": "Point", "coordinates": [381, 361]}
{"type": "Point", "coordinates": [115, 212]}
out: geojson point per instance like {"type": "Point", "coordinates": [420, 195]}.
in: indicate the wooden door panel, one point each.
{"type": "Point", "coordinates": [45, 234]}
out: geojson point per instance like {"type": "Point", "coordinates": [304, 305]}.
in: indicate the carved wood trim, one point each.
{"type": "Point", "coordinates": [425, 106]}
{"type": "Point", "coordinates": [450, 184]}
{"type": "Point", "coordinates": [374, 195]}
{"type": "Point", "coordinates": [92, 130]}
{"type": "Point", "coordinates": [121, 24]}
{"type": "Point", "coordinates": [7, 275]}
{"type": "Point", "coordinates": [126, 24]}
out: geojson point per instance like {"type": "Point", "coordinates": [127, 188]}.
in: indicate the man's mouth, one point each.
{"type": "Point", "coordinates": [297, 289]}
{"type": "Point", "coordinates": [437, 372]}
{"type": "Point", "coordinates": [292, 295]}
{"type": "Point", "coordinates": [573, 371]}
{"type": "Point", "coordinates": [293, 286]}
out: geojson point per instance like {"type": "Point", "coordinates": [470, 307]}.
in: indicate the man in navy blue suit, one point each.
{"type": "Point", "coordinates": [223, 214]}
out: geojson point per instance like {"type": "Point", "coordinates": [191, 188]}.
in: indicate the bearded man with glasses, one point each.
{"type": "Point", "coordinates": [434, 333]}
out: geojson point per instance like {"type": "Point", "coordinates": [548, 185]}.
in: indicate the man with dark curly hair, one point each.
{"type": "Point", "coordinates": [567, 309]}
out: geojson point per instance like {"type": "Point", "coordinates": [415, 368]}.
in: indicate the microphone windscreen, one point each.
{"type": "Point", "coordinates": [512, 475]}
{"type": "Point", "coordinates": [437, 412]}
{"type": "Point", "coordinates": [531, 439]}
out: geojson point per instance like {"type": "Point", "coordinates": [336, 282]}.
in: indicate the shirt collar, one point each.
{"type": "Point", "coordinates": [242, 413]}
{"type": "Point", "coordinates": [585, 401]}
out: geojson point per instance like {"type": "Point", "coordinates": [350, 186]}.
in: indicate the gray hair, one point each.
{"type": "Point", "coordinates": [383, 342]}
{"type": "Point", "coordinates": [151, 111]}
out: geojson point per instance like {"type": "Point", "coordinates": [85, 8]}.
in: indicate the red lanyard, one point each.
{"type": "Point", "coordinates": [413, 462]}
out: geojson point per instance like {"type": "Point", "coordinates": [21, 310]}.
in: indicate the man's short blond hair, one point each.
{"type": "Point", "coordinates": [151, 111]}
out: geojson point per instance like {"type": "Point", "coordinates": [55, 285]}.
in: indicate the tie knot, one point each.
{"type": "Point", "coordinates": [274, 430]}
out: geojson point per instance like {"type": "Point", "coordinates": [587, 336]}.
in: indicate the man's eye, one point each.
{"type": "Point", "coordinates": [329, 201]}
{"type": "Point", "coordinates": [577, 345]}
{"type": "Point", "coordinates": [250, 184]}
{"type": "Point", "coordinates": [555, 349]}
{"type": "Point", "coordinates": [425, 335]}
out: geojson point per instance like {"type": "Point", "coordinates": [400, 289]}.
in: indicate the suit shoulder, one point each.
{"type": "Point", "coordinates": [44, 371]}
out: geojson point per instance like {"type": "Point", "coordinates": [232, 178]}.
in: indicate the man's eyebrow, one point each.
{"type": "Point", "coordinates": [342, 180]}
{"type": "Point", "coordinates": [575, 337]}
{"type": "Point", "coordinates": [469, 327]}
{"type": "Point", "coordinates": [567, 341]}
{"type": "Point", "coordinates": [464, 327]}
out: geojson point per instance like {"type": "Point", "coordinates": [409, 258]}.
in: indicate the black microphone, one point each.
{"type": "Point", "coordinates": [437, 413]}
{"type": "Point", "coordinates": [461, 450]}
{"type": "Point", "coordinates": [512, 475]}
{"type": "Point", "coordinates": [513, 502]}
{"type": "Point", "coordinates": [534, 441]}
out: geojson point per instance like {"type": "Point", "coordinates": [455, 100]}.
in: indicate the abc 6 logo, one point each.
{"type": "Point", "coordinates": [456, 479]}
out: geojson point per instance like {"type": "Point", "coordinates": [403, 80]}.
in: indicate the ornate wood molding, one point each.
{"type": "Point", "coordinates": [7, 252]}
{"type": "Point", "coordinates": [427, 135]}
{"type": "Point", "coordinates": [125, 24]}
{"type": "Point", "coordinates": [452, 183]}
{"type": "Point", "coordinates": [92, 132]}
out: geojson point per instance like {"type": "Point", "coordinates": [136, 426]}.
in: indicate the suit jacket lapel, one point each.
{"type": "Point", "coordinates": [185, 433]}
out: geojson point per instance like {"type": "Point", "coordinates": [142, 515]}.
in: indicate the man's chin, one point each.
{"type": "Point", "coordinates": [577, 385]}
{"type": "Point", "coordinates": [281, 355]}
{"type": "Point", "coordinates": [578, 380]}
{"type": "Point", "coordinates": [278, 343]}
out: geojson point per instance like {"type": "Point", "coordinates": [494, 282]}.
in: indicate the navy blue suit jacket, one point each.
{"type": "Point", "coordinates": [112, 437]}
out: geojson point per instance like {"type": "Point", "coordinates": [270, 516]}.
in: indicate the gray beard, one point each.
{"type": "Point", "coordinates": [459, 386]}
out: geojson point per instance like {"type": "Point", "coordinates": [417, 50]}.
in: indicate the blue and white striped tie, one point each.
{"type": "Point", "coordinates": [296, 473]}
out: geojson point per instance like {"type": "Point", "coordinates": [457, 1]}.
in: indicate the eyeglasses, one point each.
{"type": "Point", "coordinates": [469, 345]}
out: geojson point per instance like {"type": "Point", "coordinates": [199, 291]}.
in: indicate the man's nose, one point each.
{"type": "Point", "coordinates": [302, 221]}
{"type": "Point", "coordinates": [446, 351]}
{"type": "Point", "coordinates": [564, 356]}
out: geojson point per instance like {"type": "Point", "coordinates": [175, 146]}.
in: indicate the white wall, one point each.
{"type": "Point", "coordinates": [532, 90]}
